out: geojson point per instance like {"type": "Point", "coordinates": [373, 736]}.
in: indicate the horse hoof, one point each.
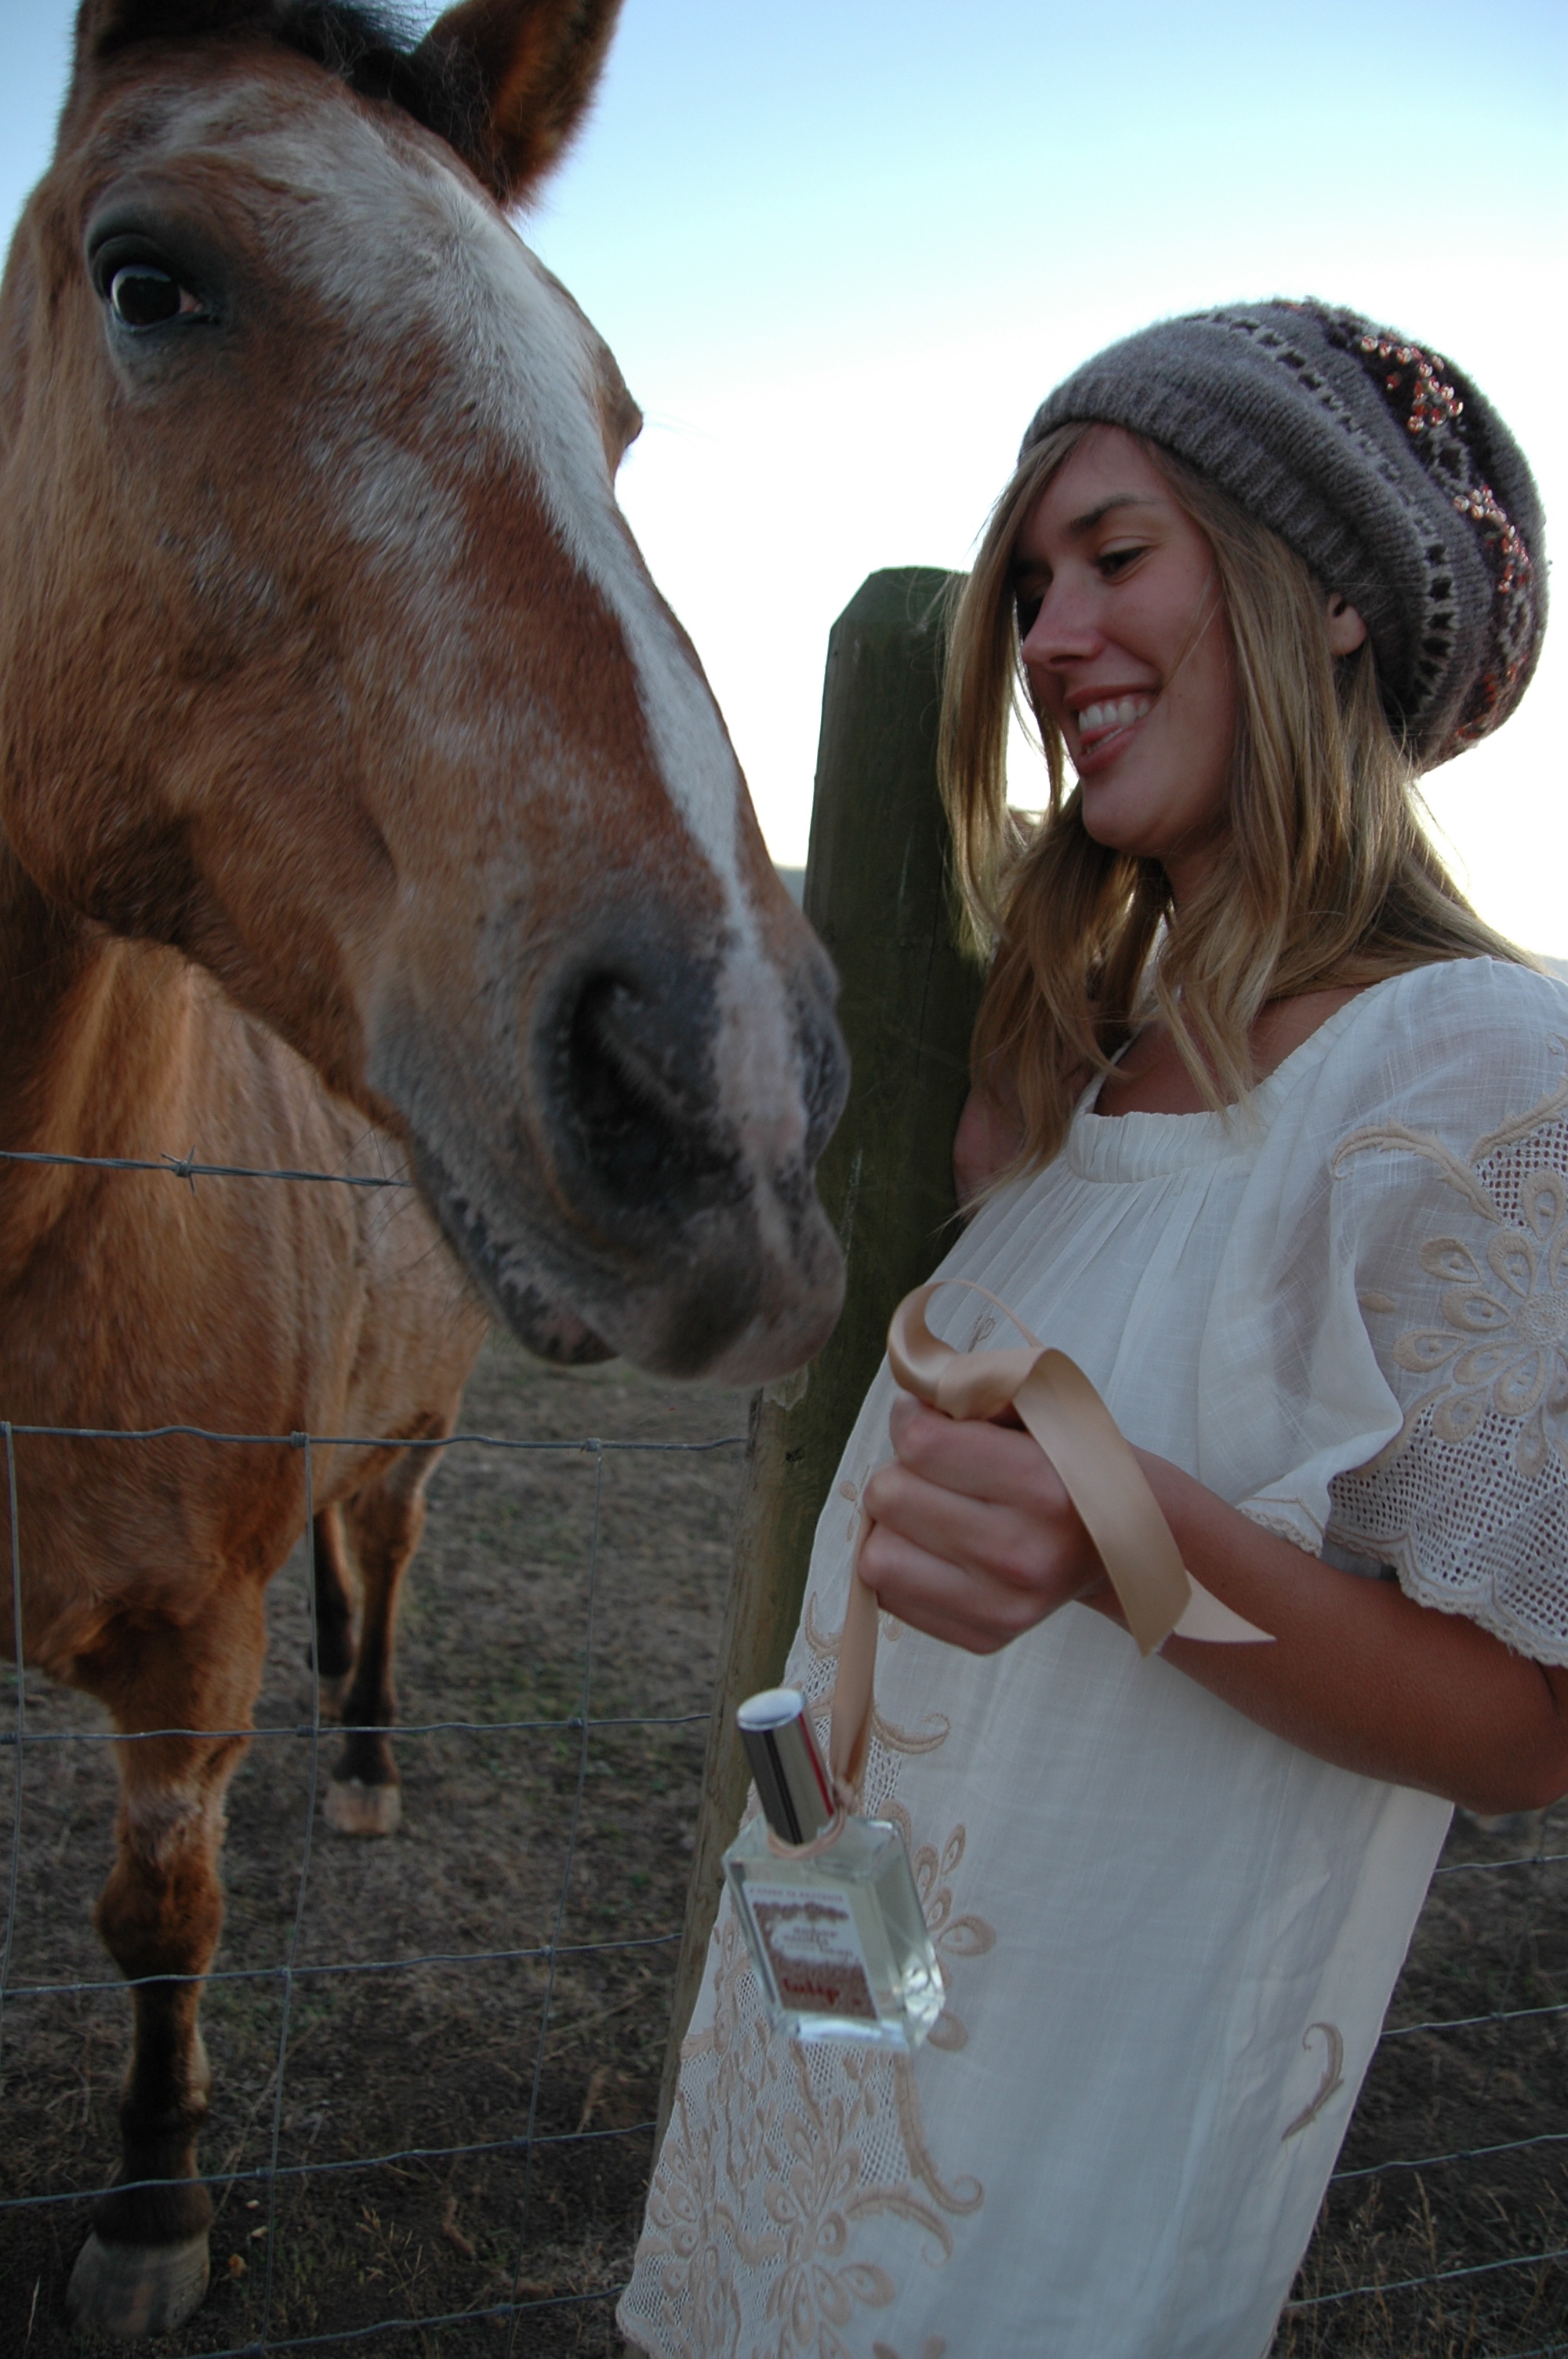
{"type": "Point", "coordinates": [352, 1807]}
{"type": "Point", "coordinates": [127, 2290]}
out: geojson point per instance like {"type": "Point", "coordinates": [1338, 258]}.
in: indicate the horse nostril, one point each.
{"type": "Point", "coordinates": [634, 1085]}
{"type": "Point", "coordinates": [645, 1128]}
{"type": "Point", "coordinates": [611, 1083]}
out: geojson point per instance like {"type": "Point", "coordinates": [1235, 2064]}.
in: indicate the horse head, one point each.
{"type": "Point", "coordinates": [326, 658]}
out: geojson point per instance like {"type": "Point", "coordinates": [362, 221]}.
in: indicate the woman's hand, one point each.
{"type": "Point", "coordinates": [976, 1539]}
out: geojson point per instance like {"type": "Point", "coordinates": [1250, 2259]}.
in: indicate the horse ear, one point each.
{"type": "Point", "coordinates": [529, 68]}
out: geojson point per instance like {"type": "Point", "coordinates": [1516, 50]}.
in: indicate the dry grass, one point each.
{"type": "Point", "coordinates": [442, 2054]}
{"type": "Point", "coordinates": [1489, 1943]}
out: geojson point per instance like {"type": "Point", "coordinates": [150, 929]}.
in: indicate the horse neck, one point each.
{"type": "Point", "coordinates": [89, 1044]}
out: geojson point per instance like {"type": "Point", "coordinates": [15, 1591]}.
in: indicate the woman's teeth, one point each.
{"type": "Point", "coordinates": [1098, 720]}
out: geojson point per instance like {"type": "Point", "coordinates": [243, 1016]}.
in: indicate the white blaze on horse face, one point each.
{"type": "Point", "coordinates": [530, 350]}
{"type": "Point", "coordinates": [520, 368]}
{"type": "Point", "coordinates": [519, 364]}
{"type": "Point", "coordinates": [417, 279]}
{"type": "Point", "coordinates": [396, 510]}
{"type": "Point", "coordinates": [524, 364]}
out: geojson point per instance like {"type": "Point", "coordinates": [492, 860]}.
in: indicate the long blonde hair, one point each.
{"type": "Point", "coordinates": [1324, 875]}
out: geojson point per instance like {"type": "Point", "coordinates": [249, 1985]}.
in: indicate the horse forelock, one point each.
{"type": "Point", "coordinates": [376, 51]}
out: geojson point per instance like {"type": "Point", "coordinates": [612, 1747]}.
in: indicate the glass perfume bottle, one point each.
{"type": "Point", "coordinates": [829, 1906]}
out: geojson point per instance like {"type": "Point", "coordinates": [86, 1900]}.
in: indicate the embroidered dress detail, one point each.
{"type": "Point", "coordinates": [831, 2140]}
{"type": "Point", "coordinates": [1483, 1380]}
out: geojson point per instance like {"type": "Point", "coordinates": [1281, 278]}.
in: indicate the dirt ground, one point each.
{"type": "Point", "coordinates": [445, 2053]}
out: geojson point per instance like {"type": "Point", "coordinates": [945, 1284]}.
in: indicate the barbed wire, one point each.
{"type": "Point", "coordinates": [185, 1167]}
{"type": "Point", "coordinates": [297, 1728]}
{"type": "Point", "coordinates": [294, 1970]}
{"type": "Point", "coordinates": [585, 1448]}
{"type": "Point", "coordinates": [257, 2173]}
{"type": "Point", "coordinates": [1432, 2276]}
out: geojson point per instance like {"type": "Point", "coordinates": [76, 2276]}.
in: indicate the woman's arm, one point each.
{"type": "Point", "coordinates": [989, 1136]}
{"type": "Point", "coordinates": [975, 1540]}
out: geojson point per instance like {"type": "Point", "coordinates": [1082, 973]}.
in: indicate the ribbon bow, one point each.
{"type": "Point", "coordinates": [1098, 1471]}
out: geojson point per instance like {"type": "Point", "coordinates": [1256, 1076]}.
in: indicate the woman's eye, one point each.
{"type": "Point", "coordinates": [1113, 561]}
{"type": "Point", "coordinates": [143, 296]}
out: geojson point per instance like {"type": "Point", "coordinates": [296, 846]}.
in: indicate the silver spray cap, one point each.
{"type": "Point", "coordinates": [792, 1784]}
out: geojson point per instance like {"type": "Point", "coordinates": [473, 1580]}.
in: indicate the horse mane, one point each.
{"type": "Point", "coordinates": [378, 50]}
{"type": "Point", "coordinates": [380, 53]}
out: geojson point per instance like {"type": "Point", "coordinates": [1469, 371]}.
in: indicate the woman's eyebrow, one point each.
{"type": "Point", "coordinates": [1094, 516]}
{"type": "Point", "coordinates": [1033, 569]}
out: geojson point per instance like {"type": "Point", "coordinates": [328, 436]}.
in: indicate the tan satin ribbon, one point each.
{"type": "Point", "coordinates": [1099, 1474]}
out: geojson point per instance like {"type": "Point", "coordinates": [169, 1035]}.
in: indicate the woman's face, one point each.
{"type": "Point", "coordinates": [1127, 651]}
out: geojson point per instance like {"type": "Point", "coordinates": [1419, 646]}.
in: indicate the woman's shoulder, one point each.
{"type": "Point", "coordinates": [1460, 1049]}
{"type": "Point", "coordinates": [1457, 1016]}
{"type": "Point", "coordinates": [1491, 984]}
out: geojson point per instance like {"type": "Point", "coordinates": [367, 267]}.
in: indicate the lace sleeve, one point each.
{"type": "Point", "coordinates": [1463, 1285]}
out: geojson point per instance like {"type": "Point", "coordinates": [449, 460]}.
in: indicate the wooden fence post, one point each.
{"type": "Point", "coordinates": [878, 892]}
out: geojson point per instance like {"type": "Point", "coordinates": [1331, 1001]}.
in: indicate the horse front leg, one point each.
{"type": "Point", "coordinates": [364, 1795]}
{"type": "Point", "coordinates": [143, 2268]}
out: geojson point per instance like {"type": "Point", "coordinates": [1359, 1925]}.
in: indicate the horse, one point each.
{"type": "Point", "coordinates": [363, 810]}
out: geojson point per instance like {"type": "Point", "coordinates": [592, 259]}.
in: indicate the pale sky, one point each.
{"type": "Point", "coordinates": [843, 249]}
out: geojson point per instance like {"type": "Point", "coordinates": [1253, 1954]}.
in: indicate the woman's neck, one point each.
{"type": "Point", "coordinates": [1152, 1079]}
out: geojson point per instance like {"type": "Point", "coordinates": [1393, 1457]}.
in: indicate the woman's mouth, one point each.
{"type": "Point", "coordinates": [1100, 723]}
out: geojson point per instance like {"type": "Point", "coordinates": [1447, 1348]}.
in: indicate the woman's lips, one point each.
{"type": "Point", "coordinates": [1105, 726]}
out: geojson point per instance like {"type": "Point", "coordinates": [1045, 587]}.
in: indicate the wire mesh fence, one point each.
{"type": "Point", "coordinates": [262, 2008]}
{"type": "Point", "coordinates": [439, 2003]}
{"type": "Point", "coordinates": [1446, 2226]}
{"type": "Point", "coordinates": [437, 2058]}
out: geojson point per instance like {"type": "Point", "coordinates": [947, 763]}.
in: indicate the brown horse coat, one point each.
{"type": "Point", "coordinates": [361, 807]}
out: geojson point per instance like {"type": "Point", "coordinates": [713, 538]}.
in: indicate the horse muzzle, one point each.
{"type": "Point", "coordinates": [651, 1192]}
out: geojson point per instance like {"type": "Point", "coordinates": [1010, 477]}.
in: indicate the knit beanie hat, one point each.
{"type": "Point", "coordinates": [1379, 464]}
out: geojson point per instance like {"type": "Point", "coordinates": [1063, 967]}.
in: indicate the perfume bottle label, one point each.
{"type": "Point", "coordinates": [813, 1949]}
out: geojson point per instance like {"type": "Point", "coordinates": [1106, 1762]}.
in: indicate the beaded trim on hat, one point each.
{"type": "Point", "coordinates": [1415, 385]}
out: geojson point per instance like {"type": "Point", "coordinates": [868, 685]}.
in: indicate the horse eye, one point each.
{"type": "Point", "coordinates": [143, 296]}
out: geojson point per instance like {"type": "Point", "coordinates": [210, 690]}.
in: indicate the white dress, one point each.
{"type": "Point", "coordinates": [1169, 1937]}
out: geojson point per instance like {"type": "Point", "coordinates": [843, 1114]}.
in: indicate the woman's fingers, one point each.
{"type": "Point", "coordinates": [998, 1540]}
{"type": "Point", "coordinates": [980, 1458]}
{"type": "Point", "coordinates": [974, 1537]}
{"type": "Point", "coordinates": [947, 1601]}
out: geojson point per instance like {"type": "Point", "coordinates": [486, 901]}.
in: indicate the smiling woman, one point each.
{"type": "Point", "coordinates": [1123, 643]}
{"type": "Point", "coordinates": [1245, 750]}
{"type": "Point", "coordinates": [1270, 1135]}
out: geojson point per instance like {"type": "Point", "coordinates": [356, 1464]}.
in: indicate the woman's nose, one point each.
{"type": "Point", "coordinates": [1064, 630]}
